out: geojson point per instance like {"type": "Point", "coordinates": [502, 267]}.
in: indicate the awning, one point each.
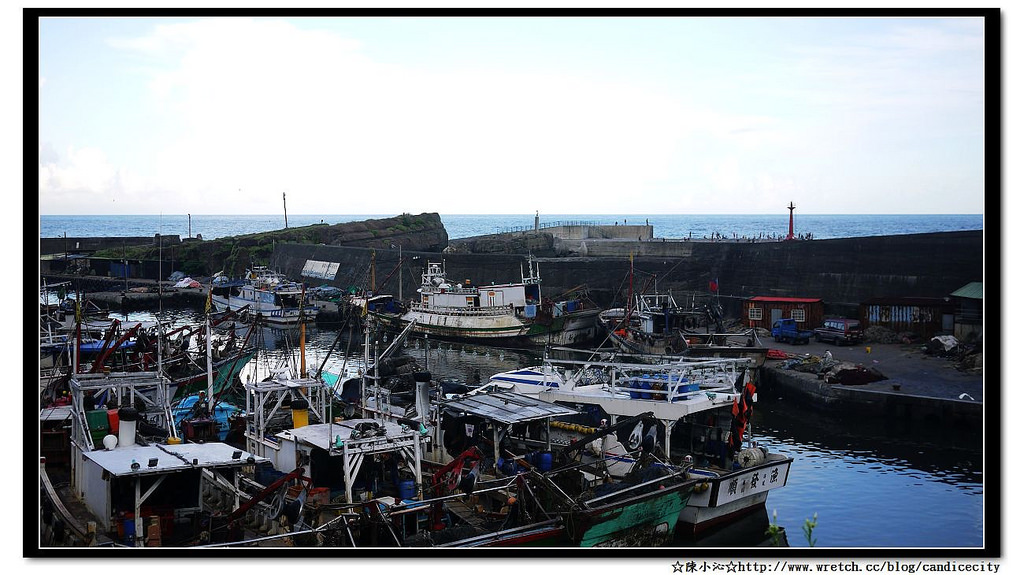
{"type": "Point", "coordinates": [507, 407]}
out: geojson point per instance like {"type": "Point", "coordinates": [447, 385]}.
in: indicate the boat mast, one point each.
{"type": "Point", "coordinates": [373, 272]}
{"type": "Point", "coordinates": [285, 202]}
{"type": "Point", "coordinates": [209, 354]}
{"type": "Point", "coordinates": [629, 299]}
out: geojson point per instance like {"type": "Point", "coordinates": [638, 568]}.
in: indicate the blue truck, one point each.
{"type": "Point", "coordinates": [786, 330]}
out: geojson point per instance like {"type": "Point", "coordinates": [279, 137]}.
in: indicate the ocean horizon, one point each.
{"type": "Point", "coordinates": [669, 226]}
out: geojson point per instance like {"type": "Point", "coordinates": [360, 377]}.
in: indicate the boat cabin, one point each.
{"type": "Point", "coordinates": [126, 485]}
{"type": "Point", "coordinates": [355, 457]}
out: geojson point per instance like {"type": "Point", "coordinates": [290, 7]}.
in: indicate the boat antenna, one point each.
{"type": "Point", "coordinates": [209, 352]}
{"type": "Point", "coordinates": [302, 335]}
{"type": "Point", "coordinates": [160, 271]}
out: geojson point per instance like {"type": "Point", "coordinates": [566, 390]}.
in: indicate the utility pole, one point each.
{"type": "Point", "coordinates": [190, 226]}
{"type": "Point", "coordinates": [285, 201]}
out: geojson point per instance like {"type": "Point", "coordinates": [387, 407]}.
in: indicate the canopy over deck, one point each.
{"type": "Point", "coordinates": [507, 407]}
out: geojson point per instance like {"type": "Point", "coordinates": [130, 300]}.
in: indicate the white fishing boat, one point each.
{"type": "Point", "coordinates": [655, 325]}
{"type": "Point", "coordinates": [496, 313]}
{"type": "Point", "coordinates": [702, 408]}
{"type": "Point", "coordinates": [271, 297]}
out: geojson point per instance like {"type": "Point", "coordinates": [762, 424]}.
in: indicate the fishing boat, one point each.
{"type": "Point", "coordinates": [543, 497]}
{"type": "Point", "coordinates": [269, 295]}
{"type": "Point", "coordinates": [512, 313]}
{"type": "Point", "coordinates": [129, 480]}
{"type": "Point", "coordinates": [654, 324]}
{"type": "Point", "coordinates": [702, 408]}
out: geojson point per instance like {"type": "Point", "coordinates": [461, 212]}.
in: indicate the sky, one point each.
{"type": "Point", "coordinates": [511, 115]}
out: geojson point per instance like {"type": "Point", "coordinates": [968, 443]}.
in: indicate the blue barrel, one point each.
{"type": "Point", "coordinates": [644, 394]}
{"type": "Point", "coordinates": [544, 464]}
{"type": "Point", "coordinates": [406, 489]}
{"type": "Point", "coordinates": [129, 530]}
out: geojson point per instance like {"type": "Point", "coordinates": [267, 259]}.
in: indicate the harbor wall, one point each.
{"type": "Point", "coordinates": [74, 245]}
{"type": "Point", "coordinates": [810, 391]}
{"type": "Point", "coordinates": [843, 272]}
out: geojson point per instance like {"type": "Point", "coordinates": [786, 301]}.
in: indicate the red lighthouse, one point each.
{"type": "Point", "coordinates": [791, 208]}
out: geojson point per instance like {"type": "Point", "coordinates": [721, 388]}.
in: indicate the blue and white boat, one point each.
{"type": "Point", "coordinates": [271, 297]}
{"type": "Point", "coordinates": [702, 408]}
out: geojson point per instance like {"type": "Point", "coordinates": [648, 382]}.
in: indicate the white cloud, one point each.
{"type": "Point", "coordinates": [260, 107]}
{"type": "Point", "coordinates": [267, 108]}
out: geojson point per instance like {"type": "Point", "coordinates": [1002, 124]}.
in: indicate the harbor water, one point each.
{"type": "Point", "coordinates": [869, 483]}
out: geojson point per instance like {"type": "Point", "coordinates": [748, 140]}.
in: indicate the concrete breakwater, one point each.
{"type": "Point", "coordinates": [870, 400]}
{"type": "Point", "coordinates": [843, 272]}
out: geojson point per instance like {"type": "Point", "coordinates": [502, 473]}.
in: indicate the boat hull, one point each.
{"type": "Point", "coordinates": [661, 346]}
{"type": "Point", "coordinates": [734, 494]}
{"type": "Point", "coordinates": [497, 328]}
{"type": "Point", "coordinates": [643, 521]}
{"type": "Point", "coordinates": [270, 313]}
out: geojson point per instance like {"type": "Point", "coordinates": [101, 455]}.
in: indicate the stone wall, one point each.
{"type": "Point", "coordinates": [843, 272]}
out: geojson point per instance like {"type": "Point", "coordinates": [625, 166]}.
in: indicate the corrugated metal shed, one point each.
{"type": "Point", "coordinates": [924, 316]}
{"type": "Point", "coordinates": [507, 407]}
{"type": "Point", "coordinates": [973, 290]}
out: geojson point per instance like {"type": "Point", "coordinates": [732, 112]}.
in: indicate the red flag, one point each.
{"type": "Point", "coordinates": [713, 285]}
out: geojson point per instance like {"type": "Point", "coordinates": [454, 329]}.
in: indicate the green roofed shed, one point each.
{"type": "Point", "coordinates": [973, 290]}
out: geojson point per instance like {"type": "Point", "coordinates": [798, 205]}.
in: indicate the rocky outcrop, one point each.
{"type": "Point", "coordinates": [234, 254]}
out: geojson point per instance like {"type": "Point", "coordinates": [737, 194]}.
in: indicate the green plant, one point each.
{"type": "Point", "coordinates": [809, 525]}
{"type": "Point", "coordinates": [775, 530]}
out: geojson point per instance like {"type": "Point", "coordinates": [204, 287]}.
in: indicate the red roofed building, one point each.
{"type": "Point", "coordinates": [763, 311]}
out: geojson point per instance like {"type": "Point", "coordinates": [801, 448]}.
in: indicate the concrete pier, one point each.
{"type": "Point", "coordinates": [919, 388]}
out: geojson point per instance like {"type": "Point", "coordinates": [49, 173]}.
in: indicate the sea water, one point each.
{"type": "Point", "coordinates": [463, 226]}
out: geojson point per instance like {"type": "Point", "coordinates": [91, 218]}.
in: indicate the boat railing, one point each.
{"type": "Point", "coordinates": [670, 391]}
{"type": "Point", "coordinates": [467, 312]}
{"type": "Point", "coordinates": [666, 382]}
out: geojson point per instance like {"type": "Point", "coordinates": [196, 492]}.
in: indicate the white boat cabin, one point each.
{"type": "Point", "coordinates": [438, 292]}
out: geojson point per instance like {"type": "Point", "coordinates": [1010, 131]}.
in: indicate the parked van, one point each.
{"type": "Point", "coordinates": [839, 331]}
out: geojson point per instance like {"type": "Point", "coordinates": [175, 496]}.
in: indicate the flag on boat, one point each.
{"type": "Point", "coordinates": [713, 285]}
{"type": "Point", "coordinates": [209, 300]}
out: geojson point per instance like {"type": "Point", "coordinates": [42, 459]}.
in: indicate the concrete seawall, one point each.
{"type": "Point", "coordinates": [870, 400]}
{"type": "Point", "coordinates": [843, 272]}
